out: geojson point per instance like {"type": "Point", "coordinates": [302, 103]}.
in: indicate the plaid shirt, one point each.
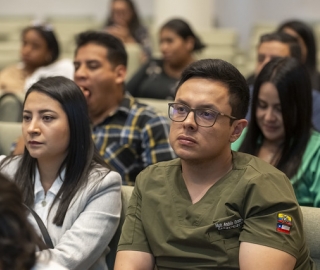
{"type": "Point", "coordinates": [134, 137]}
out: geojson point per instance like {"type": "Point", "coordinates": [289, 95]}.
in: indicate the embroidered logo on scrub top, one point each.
{"type": "Point", "coordinates": [284, 223]}
{"type": "Point", "coordinates": [228, 225]}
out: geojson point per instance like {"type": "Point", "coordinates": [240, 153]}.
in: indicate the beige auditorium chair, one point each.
{"type": "Point", "coordinates": [9, 133]}
{"type": "Point", "coordinates": [126, 192]}
{"type": "Point", "coordinates": [161, 105]}
{"type": "Point", "coordinates": [11, 26]}
{"type": "Point", "coordinates": [9, 53]}
{"type": "Point", "coordinates": [11, 107]}
{"type": "Point", "coordinates": [221, 43]}
{"type": "Point", "coordinates": [134, 52]}
{"type": "Point", "coordinates": [311, 223]}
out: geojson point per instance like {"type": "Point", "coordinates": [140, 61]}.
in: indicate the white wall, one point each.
{"type": "Point", "coordinates": [44, 8]}
{"type": "Point", "coordinates": [198, 13]}
{"type": "Point", "coordinates": [243, 14]}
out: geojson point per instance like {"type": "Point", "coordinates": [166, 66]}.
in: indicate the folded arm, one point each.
{"type": "Point", "coordinates": [253, 256]}
{"type": "Point", "coordinates": [134, 260]}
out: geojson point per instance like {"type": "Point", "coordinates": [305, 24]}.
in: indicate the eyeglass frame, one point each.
{"type": "Point", "coordinates": [194, 114]}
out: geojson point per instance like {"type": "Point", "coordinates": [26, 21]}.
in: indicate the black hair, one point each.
{"type": "Point", "coordinates": [82, 155]}
{"type": "Point", "coordinates": [292, 82]}
{"type": "Point", "coordinates": [182, 29]}
{"type": "Point", "coordinates": [134, 24]}
{"type": "Point", "coordinates": [47, 33]}
{"type": "Point", "coordinates": [307, 35]}
{"type": "Point", "coordinates": [224, 72]}
{"type": "Point", "coordinates": [18, 241]}
{"type": "Point", "coordinates": [294, 47]}
{"type": "Point", "coordinates": [116, 52]}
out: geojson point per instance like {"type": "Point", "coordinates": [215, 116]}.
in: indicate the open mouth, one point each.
{"type": "Point", "coordinates": [86, 91]}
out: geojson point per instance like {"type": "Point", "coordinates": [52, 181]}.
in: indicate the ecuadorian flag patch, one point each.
{"type": "Point", "coordinates": [284, 223]}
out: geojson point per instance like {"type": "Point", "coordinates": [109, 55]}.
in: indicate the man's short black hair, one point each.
{"type": "Point", "coordinates": [224, 72]}
{"type": "Point", "coordinates": [116, 52]}
{"type": "Point", "coordinates": [294, 47]}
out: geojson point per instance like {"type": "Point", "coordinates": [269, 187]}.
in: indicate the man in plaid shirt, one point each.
{"type": "Point", "coordinates": [129, 135]}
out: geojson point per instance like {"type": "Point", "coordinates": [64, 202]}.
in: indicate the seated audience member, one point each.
{"type": "Point", "coordinates": [62, 176]}
{"type": "Point", "coordinates": [18, 240]}
{"type": "Point", "coordinates": [280, 130]}
{"type": "Point", "coordinates": [124, 23]}
{"type": "Point", "coordinates": [129, 135]}
{"type": "Point", "coordinates": [280, 44]}
{"type": "Point", "coordinates": [39, 59]}
{"type": "Point", "coordinates": [305, 36]}
{"type": "Point", "coordinates": [212, 208]}
{"type": "Point", "coordinates": [159, 77]}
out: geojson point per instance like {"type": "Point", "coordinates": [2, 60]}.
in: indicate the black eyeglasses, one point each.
{"type": "Point", "coordinates": [203, 117]}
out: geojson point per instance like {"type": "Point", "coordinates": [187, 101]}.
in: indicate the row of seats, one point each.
{"type": "Point", "coordinates": [221, 43]}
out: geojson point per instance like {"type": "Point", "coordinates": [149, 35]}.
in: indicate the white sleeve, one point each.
{"type": "Point", "coordinates": [63, 67]}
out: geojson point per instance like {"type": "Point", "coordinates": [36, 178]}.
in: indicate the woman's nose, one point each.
{"type": "Point", "coordinates": [33, 127]}
{"type": "Point", "coordinates": [270, 115]}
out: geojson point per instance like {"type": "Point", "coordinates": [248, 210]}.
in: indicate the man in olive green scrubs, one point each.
{"type": "Point", "coordinates": [212, 208]}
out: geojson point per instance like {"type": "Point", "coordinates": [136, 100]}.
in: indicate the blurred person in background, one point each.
{"type": "Point", "coordinates": [306, 39]}
{"type": "Point", "coordinates": [273, 45]}
{"type": "Point", "coordinates": [39, 55]}
{"type": "Point", "coordinates": [124, 23]}
{"type": "Point", "coordinates": [159, 77]}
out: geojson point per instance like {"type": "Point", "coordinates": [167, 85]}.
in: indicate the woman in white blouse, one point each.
{"type": "Point", "coordinates": [62, 176]}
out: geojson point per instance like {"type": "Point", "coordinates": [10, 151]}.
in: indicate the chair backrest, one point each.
{"type": "Point", "coordinates": [9, 132]}
{"type": "Point", "coordinates": [126, 192]}
{"type": "Point", "coordinates": [134, 52]}
{"type": "Point", "coordinates": [11, 107]}
{"type": "Point", "coordinates": [161, 105]}
{"type": "Point", "coordinates": [218, 37]}
{"type": "Point", "coordinates": [311, 221]}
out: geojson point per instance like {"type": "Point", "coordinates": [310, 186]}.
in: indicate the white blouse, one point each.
{"type": "Point", "coordinates": [42, 201]}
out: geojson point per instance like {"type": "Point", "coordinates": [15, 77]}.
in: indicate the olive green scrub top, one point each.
{"type": "Point", "coordinates": [253, 203]}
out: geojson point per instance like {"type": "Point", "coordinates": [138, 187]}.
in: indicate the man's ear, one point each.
{"type": "Point", "coordinates": [121, 73]}
{"type": "Point", "coordinates": [239, 126]}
